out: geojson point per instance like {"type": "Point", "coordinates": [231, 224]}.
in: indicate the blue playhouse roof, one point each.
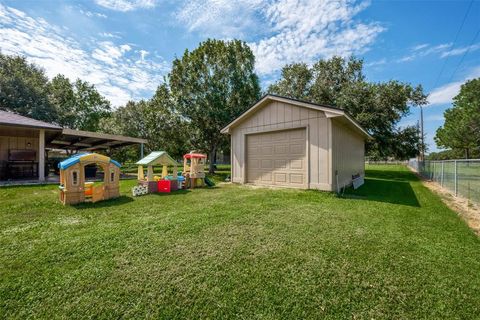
{"type": "Point", "coordinates": [76, 159]}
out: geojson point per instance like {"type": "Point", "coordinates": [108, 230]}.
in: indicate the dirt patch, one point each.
{"type": "Point", "coordinates": [467, 210]}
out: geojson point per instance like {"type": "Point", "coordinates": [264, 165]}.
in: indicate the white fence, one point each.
{"type": "Point", "coordinates": [461, 177]}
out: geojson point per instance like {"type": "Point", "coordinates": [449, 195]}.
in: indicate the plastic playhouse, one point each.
{"type": "Point", "coordinates": [193, 174]}
{"type": "Point", "coordinates": [151, 183]}
{"type": "Point", "coordinates": [73, 187]}
{"type": "Point", "coordinates": [194, 169]}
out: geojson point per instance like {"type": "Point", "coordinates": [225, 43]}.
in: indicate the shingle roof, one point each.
{"type": "Point", "coordinates": [13, 119]}
{"type": "Point", "coordinates": [272, 97]}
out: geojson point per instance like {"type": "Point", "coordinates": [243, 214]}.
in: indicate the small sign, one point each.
{"type": "Point", "coordinates": [358, 182]}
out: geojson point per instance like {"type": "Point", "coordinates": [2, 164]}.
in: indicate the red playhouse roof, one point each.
{"type": "Point", "coordinates": [194, 155]}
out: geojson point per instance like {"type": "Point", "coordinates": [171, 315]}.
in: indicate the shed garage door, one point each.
{"type": "Point", "coordinates": [277, 158]}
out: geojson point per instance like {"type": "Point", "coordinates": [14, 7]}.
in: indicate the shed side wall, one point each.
{"type": "Point", "coordinates": [278, 116]}
{"type": "Point", "coordinates": [348, 154]}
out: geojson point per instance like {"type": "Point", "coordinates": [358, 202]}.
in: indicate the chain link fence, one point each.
{"type": "Point", "coordinates": [460, 177]}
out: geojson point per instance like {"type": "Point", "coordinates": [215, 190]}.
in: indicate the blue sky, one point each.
{"type": "Point", "coordinates": [125, 47]}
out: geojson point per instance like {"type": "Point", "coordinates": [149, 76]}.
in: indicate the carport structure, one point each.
{"type": "Point", "coordinates": [24, 142]}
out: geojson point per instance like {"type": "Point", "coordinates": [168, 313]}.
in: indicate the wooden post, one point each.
{"type": "Point", "coordinates": [41, 155]}
{"type": "Point", "coordinates": [150, 173]}
{"type": "Point", "coordinates": [140, 174]}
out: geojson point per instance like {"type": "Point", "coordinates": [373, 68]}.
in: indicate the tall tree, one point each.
{"type": "Point", "coordinates": [378, 107]}
{"type": "Point", "coordinates": [23, 89]}
{"type": "Point", "coordinates": [62, 97]}
{"type": "Point", "coordinates": [154, 120]}
{"type": "Point", "coordinates": [461, 130]}
{"type": "Point", "coordinates": [212, 85]}
{"type": "Point", "coordinates": [295, 81]}
{"type": "Point", "coordinates": [77, 105]}
{"type": "Point", "coordinates": [90, 106]}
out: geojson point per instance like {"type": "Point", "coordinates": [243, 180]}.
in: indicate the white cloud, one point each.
{"type": "Point", "coordinates": [407, 123]}
{"type": "Point", "coordinates": [118, 71]}
{"type": "Point", "coordinates": [435, 117]}
{"type": "Point", "coordinates": [423, 50]}
{"type": "Point", "coordinates": [308, 30]}
{"type": "Point", "coordinates": [376, 63]}
{"type": "Point", "coordinates": [109, 35]}
{"type": "Point", "coordinates": [420, 46]}
{"type": "Point", "coordinates": [459, 51]}
{"type": "Point", "coordinates": [126, 5]}
{"type": "Point", "coordinates": [407, 58]}
{"type": "Point", "coordinates": [445, 93]}
{"type": "Point", "coordinates": [143, 54]}
{"type": "Point", "coordinates": [220, 18]}
{"type": "Point", "coordinates": [289, 30]}
{"type": "Point", "coordinates": [91, 14]}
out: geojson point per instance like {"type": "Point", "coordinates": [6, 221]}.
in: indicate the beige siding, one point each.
{"type": "Point", "coordinates": [278, 158]}
{"type": "Point", "coordinates": [279, 116]}
{"type": "Point", "coordinates": [348, 154]}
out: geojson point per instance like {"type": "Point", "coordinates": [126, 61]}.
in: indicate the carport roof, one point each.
{"type": "Point", "coordinates": [90, 141]}
{"type": "Point", "coordinates": [12, 119]}
{"type": "Point", "coordinates": [63, 138]}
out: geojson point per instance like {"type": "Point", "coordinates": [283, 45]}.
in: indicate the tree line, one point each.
{"type": "Point", "coordinates": [460, 133]}
{"type": "Point", "coordinates": [26, 90]}
{"type": "Point", "coordinates": [206, 89]}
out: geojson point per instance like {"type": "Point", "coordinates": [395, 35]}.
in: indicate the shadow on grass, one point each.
{"type": "Point", "coordinates": [173, 193]}
{"type": "Point", "coordinates": [386, 186]}
{"type": "Point", "coordinates": [219, 176]}
{"type": "Point", "coordinates": [391, 175]}
{"type": "Point", "coordinates": [103, 204]}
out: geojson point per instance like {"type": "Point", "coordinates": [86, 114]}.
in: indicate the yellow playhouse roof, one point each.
{"type": "Point", "coordinates": [86, 157]}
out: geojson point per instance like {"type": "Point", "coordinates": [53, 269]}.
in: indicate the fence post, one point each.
{"type": "Point", "coordinates": [455, 181]}
{"type": "Point", "coordinates": [441, 178]}
{"type": "Point", "coordinates": [433, 171]}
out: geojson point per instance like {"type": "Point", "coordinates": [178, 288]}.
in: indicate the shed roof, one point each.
{"type": "Point", "coordinates": [330, 112]}
{"type": "Point", "coordinates": [13, 119]}
{"type": "Point", "coordinates": [158, 158]}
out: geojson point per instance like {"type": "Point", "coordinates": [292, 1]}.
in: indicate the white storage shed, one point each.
{"type": "Point", "coordinates": [290, 143]}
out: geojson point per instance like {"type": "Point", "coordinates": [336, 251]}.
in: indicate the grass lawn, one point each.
{"type": "Point", "coordinates": [389, 250]}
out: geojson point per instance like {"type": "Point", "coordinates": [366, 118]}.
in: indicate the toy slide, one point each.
{"type": "Point", "coordinates": [209, 182]}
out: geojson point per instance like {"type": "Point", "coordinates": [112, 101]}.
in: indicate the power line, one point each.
{"type": "Point", "coordinates": [454, 42]}
{"type": "Point", "coordinates": [465, 54]}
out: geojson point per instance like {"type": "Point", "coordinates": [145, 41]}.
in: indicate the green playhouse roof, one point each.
{"type": "Point", "coordinates": [158, 157]}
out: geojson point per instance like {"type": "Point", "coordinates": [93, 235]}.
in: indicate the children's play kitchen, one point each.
{"type": "Point", "coordinates": [193, 174]}
{"type": "Point", "coordinates": [151, 183]}
{"type": "Point", "coordinates": [194, 169]}
{"type": "Point", "coordinates": [73, 187]}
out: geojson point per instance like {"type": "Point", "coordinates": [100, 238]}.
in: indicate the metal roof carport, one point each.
{"type": "Point", "coordinates": [90, 141]}
{"type": "Point", "coordinates": [20, 132]}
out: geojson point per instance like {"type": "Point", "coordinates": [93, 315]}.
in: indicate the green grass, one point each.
{"type": "Point", "coordinates": [391, 249]}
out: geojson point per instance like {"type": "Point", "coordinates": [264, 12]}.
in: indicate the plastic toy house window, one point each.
{"type": "Point", "coordinates": [112, 176]}
{"type": "Point", "coordinates": [75, 178]}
